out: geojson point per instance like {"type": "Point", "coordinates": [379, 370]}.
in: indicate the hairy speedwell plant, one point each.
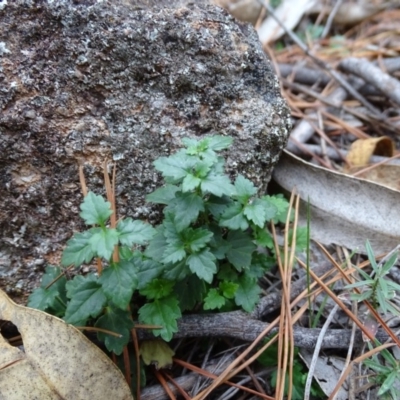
{"type": "Point", "coordinates": [209, 250]}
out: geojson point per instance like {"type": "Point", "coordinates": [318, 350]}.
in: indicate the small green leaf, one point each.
{"type": "Point", "coordinates": [233, 218]}
{"type": "Point", "coordinates": [95, 210]}
{"type": "Point", "coordinates": [157, 245]}
{"type": "Point", "coordinates": [103, 241]}
{"type": "Point", "coordinates": [190, 291]}
{"type": "Point", "coordinates": [185, 209]}
{"type": "Point", "coordinates": [214, 300]}
{"type": "Point", "coordinates": [218, 185]}
{"type": "Point", "coordinates": [203, 265]}
{"type": "Point", "coordinates": [173, 253]}
{"type": "Point", "coordinates": [228, 289]}
{"type": "Point", "coordinates": [87, 299]}
{"type": "Point", "coordinates": [148, 270]}
{"type": "Point", "coordinates": [53, 297]}
{"type": "Point", "coordinates": [196, 239]}
{"type": "Point", "coordinates": [157, 289]}
{"type": "Point", "coordinates": [163, 195]}
{"type": "Point", "coordinates": [263, 238]}
{"type": "Point", "coordinates": [248, 293]}
{"type": "Point", "coordinates": [190, 182]}
{"type": "Point", "coordinates": [134, 232]}
{"type": "Point", "coordinates": [117, 321]}
{"type": "Point", "coordinates": [217, 205]}
{"type": "Point", "coordinates": [78, 250]}
{"type": "Point", "coordinates": [218, 142]}
{"type": "Point", "coordinates": [278, 205]}
{"type": "Point", "coordinates": [119, 281]}
{"type": "Point", "coordinates": [176, 167]}
{"type": "Point", "coordinates": [255, 213]}
{"type": "Point", "coordinates": [242, 247]}
{"type": "Point", "coordinates": [163, 312]}
{"type": "Point", "coordinates": [218, 245]}
{"type": "Point", "coordinates": [244, 189]}
{"type": "Point", "coordinates": [176, 272]}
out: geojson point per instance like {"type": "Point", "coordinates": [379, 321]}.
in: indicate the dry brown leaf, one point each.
{"type": "Point", "coordinates": [386, 175]}
{"type": "Point", "coordinates": [362, 149]}
{"type": "Point", "coordinates": [344, 210]}
{"type": "Point", "coordinates": [58, 361]}
{"type": "Point", "coordinates": [243, 10]}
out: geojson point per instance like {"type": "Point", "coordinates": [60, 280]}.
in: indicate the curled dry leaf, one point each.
{"type": "Point", "coordinates": [58, 361]}
{"type": "Point", "coordinates": [344, 210]}
{"type": "Point", "coordinates": [362, 150]}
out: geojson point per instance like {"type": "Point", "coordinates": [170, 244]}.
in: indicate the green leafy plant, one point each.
{"type": "Point", "coordinates": [376, 288]}
{"type": "Point", "coordinates": [210, 250]}
{"type": "Point", "coordinates": [386, 373]}
{"type": "Point", "coordinates": [269, 359]}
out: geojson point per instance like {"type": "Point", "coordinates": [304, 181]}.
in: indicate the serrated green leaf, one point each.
{"type": "Point", "coordinates": [219, 142]}
{"type": "Point", "coordinates": [163, 312]}
{"type": "Point", "coordinates": [117, 321]}
{"type": "Point", "coordinates": [227, 273]}
{"type": "Point", "coordinates": [103, 241]}
{"type": "Point", "coordinates": [218, 185]}
{"type": "Point", "coordinates": [148, 270]}
{"type": "Point", "coordinates": [263, 238]}
{"type": "Point", "coordinates": [281, 206]}
{"type": "Point", "coordinates": [190, 182]}
{"type": "Point", "coordinates": [134, 232]}
{"type": "Point", "coordinates": [196, 239]}
{"type": "Point", "coordinates": [218, 245]}
{"type": "Point", "coordinates": [217, 205]}
{"type": "Point", "coordinates": [173, 253]}
{"type": "Point", "coordinates": [157, 289]}
{"type": "Point", "coordinates": [244, 189]}
{"type": "Point", "coordinates": [157, 245]}
{"type": "Point", "coordinates": [189, 292]}
{"type": "Point", "coordinates": [260, 264]}
{"type": "Point", "coordinates": [203, 265]}
{"type": "Point", "coordinates": [255, 213]}
{"type": "Point", "coordinates": [175, 167]}
{"type": "Point", "coordinates": [163, 195]}
{"type": "Point", "coordinates": [242, 247]}
{"type": "Point", "coordinates": [95, 210]}
{"type": "Point", "coordinates": [228, 289]}
{"type": "Point", "coordinates": [78, 250]}
{"type": "Point", "coordinates": [213, 300]}
{"type": "Point", "coordinates": [185, 209]}
{"type": "Point", "coordinates": [53, 297]}
{"type": "Point", "coordinates": [177, 271]}
{"type": "Point", "coordinates": [119, 281]}
{"type": "Point", "coordinates": [40, 299]}
{"type": "Point", "coordinates": [189, 142]}
{"type": "Point", "coordinates": [87, 299]}
{"type": "Point", "coordinates": [248, 293]}
{"type": "Point", "coordinates": [233, 218]}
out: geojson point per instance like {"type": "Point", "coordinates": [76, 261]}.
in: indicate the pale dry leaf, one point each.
{"type": "Point", "coordinates": [58, 361]}
{"type": "Point", "coordinates": [344, 210]}
{"type": "Point", "coordinates": [289, 13]}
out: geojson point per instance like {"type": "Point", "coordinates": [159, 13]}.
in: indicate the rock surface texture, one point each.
{"type": "Point", "coordinates": [87, 81]}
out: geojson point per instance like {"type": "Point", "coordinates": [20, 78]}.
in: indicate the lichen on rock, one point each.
{"type": "Point", "coordinates": [87, 81]}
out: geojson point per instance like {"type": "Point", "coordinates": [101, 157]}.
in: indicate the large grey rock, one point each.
{"type": "Point", "coordinates": [83, 82]}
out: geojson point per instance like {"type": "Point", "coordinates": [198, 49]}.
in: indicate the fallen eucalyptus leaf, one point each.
{"type": "Point", "coordinates": [289, 12]}
{"type": "Point", "coordinates": [58, 361]}
{"type": "Point", "coordinates": [344, 210]}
